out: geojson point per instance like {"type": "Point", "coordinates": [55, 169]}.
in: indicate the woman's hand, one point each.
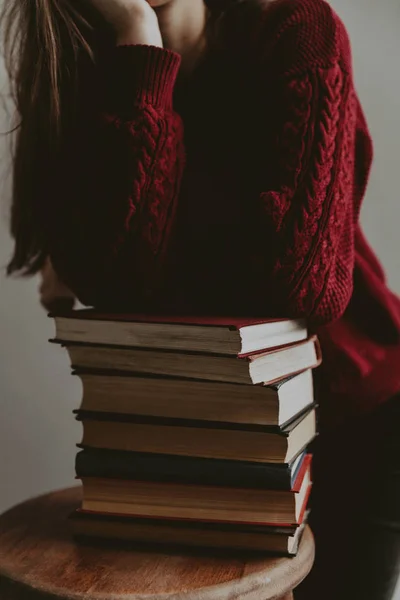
{"type": "Point", "coordinates": [134, 21]}
{"type": "Point", "coordinates": [54, 294]}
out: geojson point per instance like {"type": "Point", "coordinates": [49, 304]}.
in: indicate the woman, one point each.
{"type": "Point", "coordinates": [183, 156]}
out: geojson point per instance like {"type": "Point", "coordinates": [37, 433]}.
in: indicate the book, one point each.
{"type": "Point", "coordinates": [159, 396]}
{"type": "Point", "coordinates": [280, 541]}
{"type": "Point", "coordinates": [220, 335]}
{"type": "Point", "coordinates": [265, 367]}
{"type": "Point", "coordinates": [115, 464]}
{"type": "Point", "coordinates": [199, 502]}
{"type": "Point", "coordinates": [198, 438]}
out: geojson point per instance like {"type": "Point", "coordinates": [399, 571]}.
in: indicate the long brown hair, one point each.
{"type": "Point", "coordinates": [45, 42]}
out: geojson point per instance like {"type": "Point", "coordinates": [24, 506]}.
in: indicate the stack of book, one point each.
{"type": "Point", "coordinates": [194, 430]}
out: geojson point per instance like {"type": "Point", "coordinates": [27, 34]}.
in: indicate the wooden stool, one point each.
{"type": "Point", "coordinates": [40, 561]}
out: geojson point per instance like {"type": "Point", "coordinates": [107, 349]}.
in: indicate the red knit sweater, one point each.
{"type": "Point", "coordinates": [234, 191]}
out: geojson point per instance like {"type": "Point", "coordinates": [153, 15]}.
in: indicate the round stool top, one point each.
{"type": "Point", "coordinates": [39, 559]}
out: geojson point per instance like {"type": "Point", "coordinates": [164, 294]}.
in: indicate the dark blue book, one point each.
{"type": "Point", "coordinates": [92, 462]}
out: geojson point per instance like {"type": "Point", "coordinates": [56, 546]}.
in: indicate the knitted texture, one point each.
{"type": "Point", "coordinates": [314, 203]}
{"type": "Point", "coordinates": [125, 169]}
{"type": "Point", "coordinates": [235, 191]}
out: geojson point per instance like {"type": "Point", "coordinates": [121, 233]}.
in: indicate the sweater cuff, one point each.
{"type": "Point", "coordinates": [141, 75]}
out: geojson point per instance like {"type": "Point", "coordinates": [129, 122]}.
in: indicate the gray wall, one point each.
{"type": "Point", "coordinates": [374, 29]}
{"type": "Point", "coordinates": [37, 395]}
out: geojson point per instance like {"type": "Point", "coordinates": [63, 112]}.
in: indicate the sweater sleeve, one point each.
{"type": "Point", "coordinates": [118, 180]}
{"type": "Point", "coordinates": [307, 211]}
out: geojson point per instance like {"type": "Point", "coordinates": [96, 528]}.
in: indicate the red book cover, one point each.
{"type": "Point", "coordinates": [203, 321]}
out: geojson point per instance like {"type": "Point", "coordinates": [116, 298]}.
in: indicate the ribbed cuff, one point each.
{"type": "Point", "coordinates": [140, 75]}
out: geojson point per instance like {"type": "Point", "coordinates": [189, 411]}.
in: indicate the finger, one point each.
{"type": "Point", "coordinates": [58, 305]}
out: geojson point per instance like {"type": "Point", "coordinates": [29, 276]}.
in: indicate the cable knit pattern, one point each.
{"type": "Point", "coordinates": [165, 175]}
{"type": "Point", "coordinates": [257, 214]}
{"type": "Point", "coordinates": [148, 205]}
{"type": "Point", "coordinates": [313, 203]}
{"type": "Point", "coordinates": [338, 247]}
{"type": "Point", "coordinates": [313, 208]}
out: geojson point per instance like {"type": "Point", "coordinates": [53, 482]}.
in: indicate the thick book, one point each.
{"type": "Point", "coordinates": [198, 438]}
{"type": "Point", "coordinates": [182, 469]}
{"type": "Point", "coordinates": [279, 541]}
{"type": "Point", "coordinates": [264, 367]}
{"type": "Point", "coordinates": [220, 335]}
{"type": "Point", "coordinates": [199, 502]}
{"type": "Point", "coordinates": [159, 396]}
